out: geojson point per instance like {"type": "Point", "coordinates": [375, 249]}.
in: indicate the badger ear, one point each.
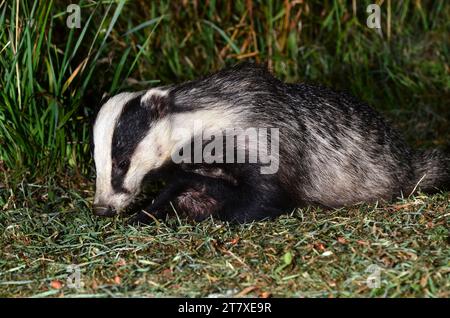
{"type": "Point", "coordinates": [157, 101]}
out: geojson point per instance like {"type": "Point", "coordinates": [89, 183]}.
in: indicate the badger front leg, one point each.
{"type": "Point", "coordinates": [158, 208]}
{"type": "Point", "coordinates": [197, 196]}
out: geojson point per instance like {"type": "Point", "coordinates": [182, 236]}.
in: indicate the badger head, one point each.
{"type": "Point", "coordinates": [131, 137]}
{"type": "Point", "coordinates": [136, 134]}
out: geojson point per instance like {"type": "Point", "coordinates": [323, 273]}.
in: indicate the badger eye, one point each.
{"type": "Point", "coordinates": [123, 164]}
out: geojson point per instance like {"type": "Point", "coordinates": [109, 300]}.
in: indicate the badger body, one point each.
{"type": "Point", "coordinates": [334, 150]}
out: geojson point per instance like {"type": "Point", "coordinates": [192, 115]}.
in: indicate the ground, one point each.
{"type": "Point", "coordinates": [398, 249]}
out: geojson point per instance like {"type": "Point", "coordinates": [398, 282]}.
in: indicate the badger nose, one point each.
{"type": "Point", "coordinates": [102, 210]}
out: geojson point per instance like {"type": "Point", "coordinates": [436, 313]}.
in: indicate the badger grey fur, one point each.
{"type": "Point", "coordinates": [334, 150]}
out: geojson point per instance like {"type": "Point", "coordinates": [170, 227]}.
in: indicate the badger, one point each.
{"type": "Point", "coordinates": [332, 150]}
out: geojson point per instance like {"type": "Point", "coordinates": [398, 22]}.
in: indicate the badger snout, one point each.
{"type": "Point", "coordinates": [104, 210]}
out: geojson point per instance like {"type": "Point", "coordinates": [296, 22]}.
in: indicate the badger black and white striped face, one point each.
{"type": "Point", "coordinates": [137, 133]}
{"type": "Point", "coordinates": [131, 138]}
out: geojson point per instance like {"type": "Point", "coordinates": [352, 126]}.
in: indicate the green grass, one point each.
{"type": "Point", "coordinates": [52, 78]}
{"type": "Point", "coordinates": [310, 253]}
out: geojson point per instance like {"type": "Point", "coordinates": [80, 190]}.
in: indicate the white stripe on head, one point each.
{"type": "Point", "coordinates": [103, 133]}
{"type": "Point", "coordinates": [162, 140]}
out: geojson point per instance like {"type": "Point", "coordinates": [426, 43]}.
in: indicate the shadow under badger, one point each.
{"type": "Point", "coordinates": [334, 150]}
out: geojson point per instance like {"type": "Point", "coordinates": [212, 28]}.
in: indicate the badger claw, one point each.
{"type": "Point", "coordinates": [143, 218]}
{"type": "Point", "coordinates": [140, 218]}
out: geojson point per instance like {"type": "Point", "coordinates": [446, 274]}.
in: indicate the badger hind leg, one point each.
{"type": "Point", "coordinates": [432, 171]}
{"type": "Point", "coordinates": [198, 203]}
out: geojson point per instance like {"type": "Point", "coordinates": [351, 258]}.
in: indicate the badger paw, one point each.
{"type": "Point", "coordinates": [143, 218]}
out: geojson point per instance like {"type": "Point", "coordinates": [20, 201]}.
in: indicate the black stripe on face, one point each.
{"type": "Point", "coordinates": [132, 126]}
